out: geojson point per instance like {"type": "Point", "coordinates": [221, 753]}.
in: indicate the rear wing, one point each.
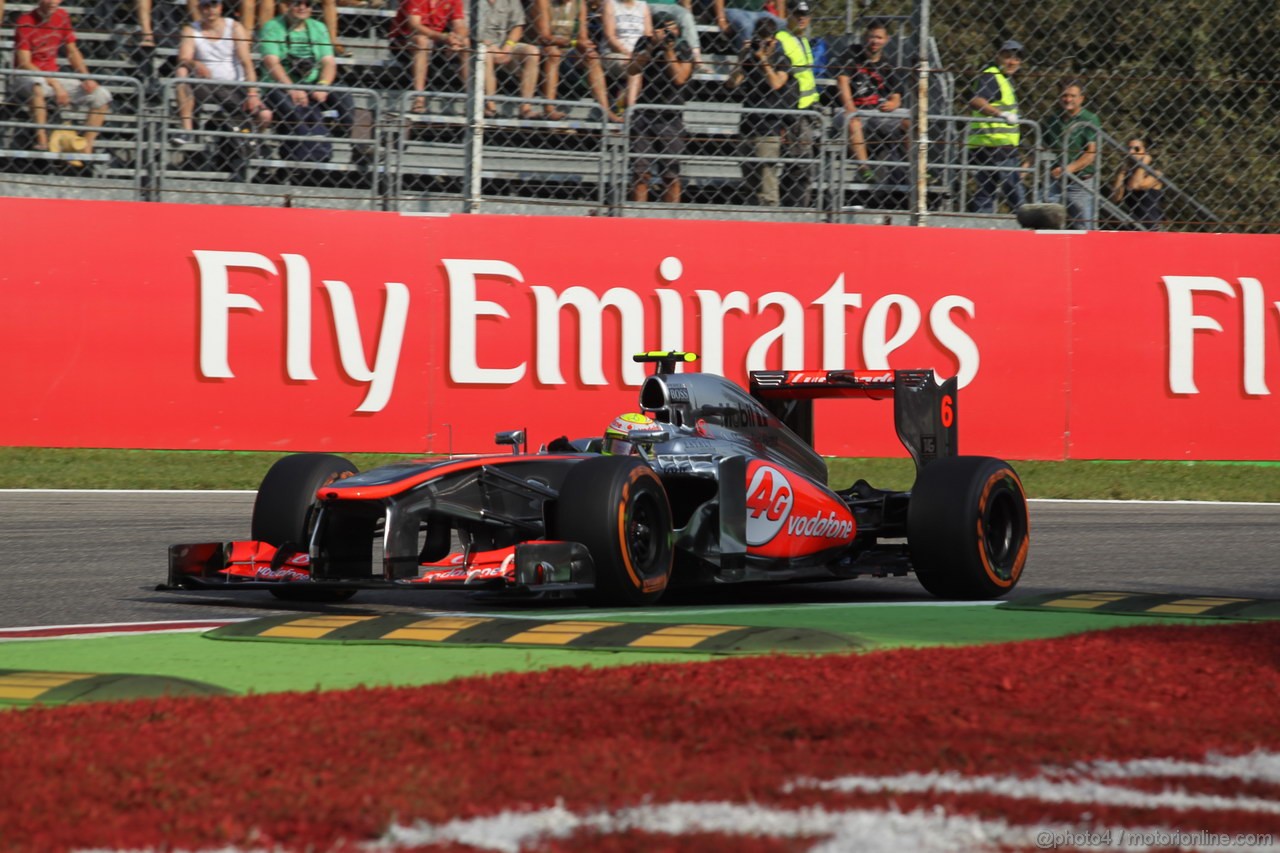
{"type": "Point", "coordinates": [925, 413]}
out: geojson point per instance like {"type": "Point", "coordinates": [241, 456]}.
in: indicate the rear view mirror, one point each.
{"type": "Point", "coordinates": [513, 437]}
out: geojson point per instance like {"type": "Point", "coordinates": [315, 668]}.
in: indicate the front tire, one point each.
{"type": "Point", "coordinates": [967, 527]}
{"type": "Point", "coordinates": [284, 513]}
{"type": "Point", "coordinates": [617, 507]}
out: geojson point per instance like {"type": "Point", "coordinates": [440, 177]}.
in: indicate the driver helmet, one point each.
{"type": "Point", "coordinates": [617, 437]}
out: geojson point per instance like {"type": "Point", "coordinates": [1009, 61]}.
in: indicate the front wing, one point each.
{"type": "Point", "coordinates": [534, 566]}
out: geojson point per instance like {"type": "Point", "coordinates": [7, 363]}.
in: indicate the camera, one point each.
{"type": "Point", "coordinates": [301, 67]}
{"type": "Point", "coordinates": [756, 44]}
{"type": "Point", "coordinates": [660, 39]}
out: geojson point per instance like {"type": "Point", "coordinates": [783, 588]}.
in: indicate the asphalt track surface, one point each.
{"type": "Point", "coordinates": [95, 557]}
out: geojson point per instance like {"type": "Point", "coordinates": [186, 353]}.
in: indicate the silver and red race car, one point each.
{"type": "Point", "coordinates": [706, 483]}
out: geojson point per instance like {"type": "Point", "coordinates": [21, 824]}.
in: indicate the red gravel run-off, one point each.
{"type": "Point", "coordinates": [330, 770]}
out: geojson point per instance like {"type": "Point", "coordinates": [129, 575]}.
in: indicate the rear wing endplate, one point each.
{"type": "Point", "coordinates": [925, 412]}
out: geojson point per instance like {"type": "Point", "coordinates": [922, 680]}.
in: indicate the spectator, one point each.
{"type": "Point", "coordinates": [501, 29]}
{"type": "Point", "coordinates": [217, 48]}
{"type": "Point", "coordinates": [625, 22]}
{"type": "Point", "coordinates": [866, 81]}
{"type": "Point", "coordinates": [739, 21]}
{"type": "Point", "coordinates": [420, 27]}
{"type": "Point", "coordinates": [296, 50]}
{"type": "Point", "coordinates": [1138, 188]}
{"type": "Point", "coordinates": [669, 64]}
{"type": "Point", "coordinates": [146, 33]}
{"type": "Point", "coordinates": [993, 139]}
{"type": "Point", "coordinates": [800, 139]}
{"type": "Point", "coordinates": [560, 26]}
{"type": "Point", "coordinates": [1077, 129]}
{"type": "Point", "coordinates": [682, 11]}
{"type": "Point", "coordinates": [255, 13]}
{"type": "Point", "coordinates": [763, 74]}
{"type": "Point", "coordinates": [38, 36]}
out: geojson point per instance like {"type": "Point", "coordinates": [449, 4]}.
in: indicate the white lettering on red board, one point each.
{"type": "Point", "coordinates": [467, 365]}
{"type": "Point", "coordinates": [217, 301]}
{"type": "Point", "coordinates": [1184, 322]}
{"type": "Point", "coordinates": [879, 337]}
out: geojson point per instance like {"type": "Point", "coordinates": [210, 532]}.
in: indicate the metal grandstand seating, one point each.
{"type": "Point", "coordinates": [406, 161]}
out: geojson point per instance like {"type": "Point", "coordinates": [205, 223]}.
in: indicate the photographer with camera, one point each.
{"type": "Point", "coordinates": [296, 50]}
{"type": "Point", "coordinates": [763, 79]}
{"type": "Point", "coordinates": [664, 65]}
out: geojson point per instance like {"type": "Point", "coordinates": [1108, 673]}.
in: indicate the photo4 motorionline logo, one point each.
{"type": "Point", "coordinates": [1173, 839]}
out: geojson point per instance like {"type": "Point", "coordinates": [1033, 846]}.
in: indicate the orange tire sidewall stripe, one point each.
{"type": "Point", "coordinates": [1021, 558]}
{"type": "Point", "coordinates": [636, 581]}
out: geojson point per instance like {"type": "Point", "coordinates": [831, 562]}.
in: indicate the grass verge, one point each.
{"type": "Point", "coordinates": [58, 468]}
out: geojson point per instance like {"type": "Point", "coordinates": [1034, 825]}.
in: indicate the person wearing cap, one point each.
{"type": "Point", "coordinates": [296, 50]}
{"type": "Point", "coordinates": [993, 136]}
{"type": "Point", "coordinates": [255, 13]}
{"type": "Point", "coordinates": [800, 139]}
{"type": "Point", "coordinates": [1070, 141]}
{"type": "Point", "coordinates": [666, 64]}
{"type": "Point", "coordinates": [215, 47]}
{"type": "Point", "coordinates": [738, 21]}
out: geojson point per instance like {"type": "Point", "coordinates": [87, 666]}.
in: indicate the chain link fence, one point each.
{"type": "Point", "coordinates": [1186, 97]}
{"type": "Point", "coordinates": [1197, 84]}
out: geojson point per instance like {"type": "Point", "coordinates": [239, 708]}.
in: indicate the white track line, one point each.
{"type": "Point", "coordinates": [129, 491]}
{"type": "Point", "coordinates": [1080, 792]}
{"type": "Point", "coordinates": [93, 631]}
{"type": "Point", "coordinates": [930, 829]}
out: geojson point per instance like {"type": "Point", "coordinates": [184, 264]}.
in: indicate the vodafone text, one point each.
{"type": "Point", "coordinates": [890, 321]}
{"type": "Point", "coordinates": [820, 526]}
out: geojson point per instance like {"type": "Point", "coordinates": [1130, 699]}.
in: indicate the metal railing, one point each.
{"type": "Point", "coordinates": [382, 154]}
{"type": "Point", "coordinates": [1158, 75]}
{"type": "Point", "coordinates": [118, 152]}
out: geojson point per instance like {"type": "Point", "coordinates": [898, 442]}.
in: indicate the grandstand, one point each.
{"type": "Point", "coordinates": [451, 158]}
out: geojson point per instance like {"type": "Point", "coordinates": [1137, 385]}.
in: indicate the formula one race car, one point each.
{"type": "Point", "coordinates": [707, 483]}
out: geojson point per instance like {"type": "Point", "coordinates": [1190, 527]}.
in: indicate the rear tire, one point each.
{"type": "Point", "coordinates": [617, 507]}
{"type": "Point", "coordinates": [967, 527]}
{"type": "Point", "coordinates": [284, 513]}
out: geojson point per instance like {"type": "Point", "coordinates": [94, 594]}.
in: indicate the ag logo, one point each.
{"type": "Point", "coordinates": [769, 501]}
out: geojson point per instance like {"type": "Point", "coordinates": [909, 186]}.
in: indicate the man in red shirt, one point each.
{"type": "Point", "coordinates": [38, 36]}
{"type": "Point", "coordinates": [419, 26]}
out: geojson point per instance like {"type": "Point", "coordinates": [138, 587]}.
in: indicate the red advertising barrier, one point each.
{"type": "Point", "coordinates": [174, 326]}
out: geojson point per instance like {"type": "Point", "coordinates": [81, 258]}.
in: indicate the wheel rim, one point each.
{"type": "Point", "coordinates": [643, 524]}
{"type": "Point", "coordinates": [1001, 532]}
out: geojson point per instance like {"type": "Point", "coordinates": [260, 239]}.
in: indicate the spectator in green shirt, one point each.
{"type": "Point", "coordinates": [1077, 129]}
{"type": "Point", "coordinates": [296, 49]}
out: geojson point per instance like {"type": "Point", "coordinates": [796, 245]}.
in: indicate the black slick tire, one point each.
{"type": "Point", "coordinates": [967, 527]}
{"type": "Point", "coordinates": [284, 512]}
{"type": "Point", "coordinates": [618, 508]}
